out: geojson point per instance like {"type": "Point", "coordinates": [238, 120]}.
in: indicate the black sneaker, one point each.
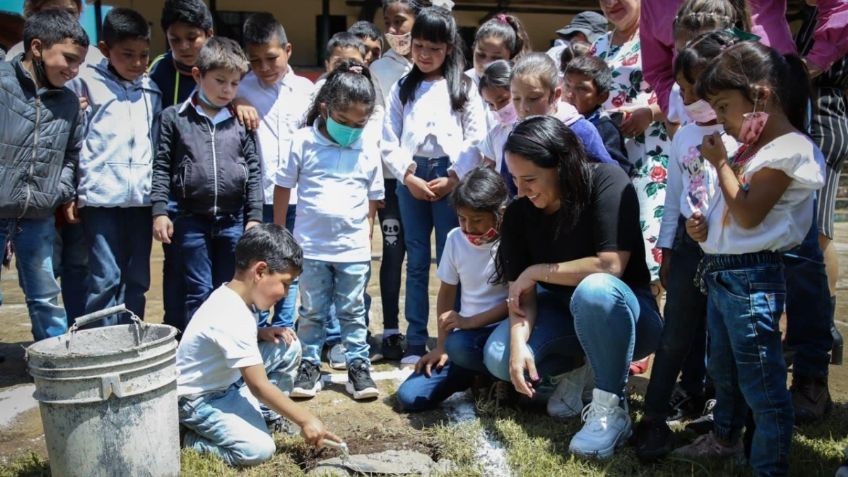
{"type": "Point", "coordinates": [684, 406]}
{"type": "Point", "coordinates": [392, 347]}
{"type": "Point", "coordinates": [308, 381]}
{"type": "Point", "coordinates": [281, 425]}
{"type": "Point", "coordinates": [654, 440]}
{"type": "Point", "coordinates": [359, 382]}
{"type": "Point", "coordinates": [704, 424]}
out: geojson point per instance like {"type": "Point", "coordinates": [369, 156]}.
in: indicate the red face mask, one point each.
{"type": "Point", "coordinates": [482, 239]}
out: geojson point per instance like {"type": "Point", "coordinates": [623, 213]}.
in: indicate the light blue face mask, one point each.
{"type": "Point", "coordinates": [343, 135]}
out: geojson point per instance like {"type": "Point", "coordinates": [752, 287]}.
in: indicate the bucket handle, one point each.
{"type": "Point", "coordinates": [84, 320]}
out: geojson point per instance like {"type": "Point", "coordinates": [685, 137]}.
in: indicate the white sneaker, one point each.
{"type": "Point", "coordinates": [336, 357]}
{"type": "Point", "coordinates": [567, 399]}
{"type": "Point", "coordinates": [607, 426]}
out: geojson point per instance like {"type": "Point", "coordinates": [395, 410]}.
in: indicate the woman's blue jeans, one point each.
{"type": "Point", "coordinates": [602, 318]}
{"type": "Point", "coordinates": [419, 218]}
{"type": "Point", "coordinates": [465, 350]}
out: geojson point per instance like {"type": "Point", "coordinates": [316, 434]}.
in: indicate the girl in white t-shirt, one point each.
{"type": "Point", "coordinates": [765, 207]}
{"type": "Point", "coordinates": [339, 182]}
{"type": "Point", "coordinates": [432, 116]}
{"type": "Point", "coordinates": [468, 260]}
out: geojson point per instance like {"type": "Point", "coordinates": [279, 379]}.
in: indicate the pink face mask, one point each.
{"type": "Point", "coordinates": [507, 115]}
{"type": "Point", "coordinates": [402, 44]}
{"type": "Point", "coordinates": [700, 111]}
{"type": "Point", "coordinates": [752, 125]}
{"type": "Point", "coordinates": [482, 239]}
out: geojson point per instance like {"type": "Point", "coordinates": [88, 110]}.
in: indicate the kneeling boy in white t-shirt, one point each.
{"type": "Point", "coordinates": [227, 365]}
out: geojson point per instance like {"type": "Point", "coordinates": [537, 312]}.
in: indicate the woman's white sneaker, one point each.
{"type": "Point", "coordinates": [606, 427]}
{"type": "Point", "coordinates": [567, 399]}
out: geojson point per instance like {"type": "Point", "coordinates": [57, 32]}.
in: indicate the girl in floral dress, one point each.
{"type": "Point", "coordinates": [646, 139]}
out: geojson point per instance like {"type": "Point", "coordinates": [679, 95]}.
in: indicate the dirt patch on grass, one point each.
{"type": "Point", "coordinates": [23, 436]}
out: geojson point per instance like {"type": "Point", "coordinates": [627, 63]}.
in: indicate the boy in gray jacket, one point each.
{"type": "Point", "coordinates": [116, 164]}
{"type": "Point", "coordinates": [39, 148]}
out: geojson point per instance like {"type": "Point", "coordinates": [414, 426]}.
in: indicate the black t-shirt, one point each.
{"type": "Point", "coordinates": [610, 222]}
{"type": "Point", "coordinates": [176, 87]}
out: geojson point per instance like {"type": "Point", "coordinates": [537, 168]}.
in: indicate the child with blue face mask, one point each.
{"type": "Point", "coordinates": [339, 177]}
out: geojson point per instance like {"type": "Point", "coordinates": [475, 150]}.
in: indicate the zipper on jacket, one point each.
{"type": "Point", "coordinates": [214, 168]}
{"type": "Point", "coordinates": [28, 183]}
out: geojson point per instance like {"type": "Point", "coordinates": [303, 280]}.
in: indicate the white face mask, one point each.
{"type": "Point", "coordinates": [402, 44]}
{"type": "Point", "coordinates": [700, 111]}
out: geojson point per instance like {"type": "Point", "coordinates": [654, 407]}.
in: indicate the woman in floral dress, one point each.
{"type": "Point", "coordinates": [646, 140]}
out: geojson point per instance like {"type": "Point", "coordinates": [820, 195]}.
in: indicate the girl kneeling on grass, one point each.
{"type": "Point", "coordinates": [766, 207]}
{"type": "Point", "coordinates": [468, 259]}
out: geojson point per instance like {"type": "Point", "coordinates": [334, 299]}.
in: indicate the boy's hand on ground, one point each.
{"type": "Point", "coordinates": [434, 359]}
{"type": "Point", "coordinates": [163, 228]}
{"type": "Point", "coordinates": [313, 432]}
{"type": "Point", "coordinates": [418, 188]}
{"type": "Point", "coordinates": [250, 224]}
{"type": "Point", "coordinates": [273, 334]}
{"type": "Point", "coordinates": [246, 114]}
{"type": "Point", "coordinates": [696, 227]}
{"type": "Point", "coordinates": [71, 212]}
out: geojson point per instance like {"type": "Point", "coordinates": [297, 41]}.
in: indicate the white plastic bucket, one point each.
{"type": "Point", "coordinates": [108, 399]}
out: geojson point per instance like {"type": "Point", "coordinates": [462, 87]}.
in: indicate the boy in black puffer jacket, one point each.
{"type": "Point", "coordinates": [39, 148]}
{"type": "Point", "coordinates": [209, 161]}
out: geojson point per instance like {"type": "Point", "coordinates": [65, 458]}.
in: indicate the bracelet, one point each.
{"type": "Point", "coordinates": [550, 268]}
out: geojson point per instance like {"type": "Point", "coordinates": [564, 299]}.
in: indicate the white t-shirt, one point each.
{"type": "Point", "coordinates": [282, 109]}
{"type": "Point", "coordinates": [220, 338]}
{"type": "Point", "coordinates": [788, 222]}
{"type": "Point", "coordinates": [691, 183]}
{"type": "Point", "coordinates": [472, 266]}
{"type": "Point", "coordinates": [334, 185]}
{"type": "Point", "coordinates": [491, 147]}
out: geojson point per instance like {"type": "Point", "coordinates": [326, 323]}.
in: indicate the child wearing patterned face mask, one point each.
{"type": "Point", "coordinates": [468, 260]}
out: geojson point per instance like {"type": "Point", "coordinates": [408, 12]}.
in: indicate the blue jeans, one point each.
{"type": "Point", "coordinates": [808, 307]}
{"type": "Point", "coordinates": [118, 257]}
{"type": "Point", "coordinates": [323, 284]}
{"type": "Point", "coordinates": [207, 245]}
{"type": "Point", "coordinates": [33, 241]}
{"type": "Point", "coordinates": [394, 249]}
{"type": "Point", "coordinates": [419, 218]}
{"type": "Point", "coordinates": [173, 280]}
{"type": "Point", "coordinates": [334, 328]}
{"type": "Point", "coordinates": [70, 265]}
{"type": "Point", "coordinates": [684, 336]}
{"type": "Point", "coordinates": [465, 350]}
{"type": "Point", "coordinates": [231, 423]}
{"type": "Point", "coordinates": [745, 299]}
{"type": "Point", "coordinates": [284, 309]}
{"type": "Point", "coordinates": [602, 318]}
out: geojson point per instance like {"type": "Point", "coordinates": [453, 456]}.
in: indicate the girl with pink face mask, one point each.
{"type": "Point", "coordinates": [765, 208]}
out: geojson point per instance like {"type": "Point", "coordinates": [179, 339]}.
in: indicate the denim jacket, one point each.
{"type": "Point", "coordinates": [116, 160]}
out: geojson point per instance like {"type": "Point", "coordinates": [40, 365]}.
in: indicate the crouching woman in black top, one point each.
{"type": "Point", "coordinates": [572, 251]}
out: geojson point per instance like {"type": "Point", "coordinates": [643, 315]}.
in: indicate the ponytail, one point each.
{"type": "Point", "coordinates": [510, 30]}
{"type": "Point", "coordinates": [349, 83]}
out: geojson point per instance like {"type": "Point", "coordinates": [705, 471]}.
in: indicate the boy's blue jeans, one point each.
{"type": "Point", "coordinates": [70, 265]}
{"type": "Point", "coordinates": [283, 312]}
{"type": "Point", "coordinates": [746, 295]}
{"type": "Point", "coordinates": [118, 257]}
{"type": "Point", "coordinates": [684, 336]}
{"type": "Point", "coordinates": [808, 307]}
{"type": "Point", "coordinates": [208, 247]}
{"type": "Point", "coordinates": [173, 279]}
{"type": "Point", "coordinates": [419, 218]}
{"type": "Point", "coordinates": [603, 318]}
{"type": "Point", "coordinates": [465, 350]}
{"type": "Point", "coordinates": [33, 241]}
{"type": "Point", "coordinates": [323, 284]}
{"type": "Point", "coordinates": [231, 423]}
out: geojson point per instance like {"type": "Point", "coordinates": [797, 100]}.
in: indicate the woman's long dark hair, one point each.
{"type": "Point", "coordinates": [549, 144]}
{"type": "Point", "coordinates": [437, 25]}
